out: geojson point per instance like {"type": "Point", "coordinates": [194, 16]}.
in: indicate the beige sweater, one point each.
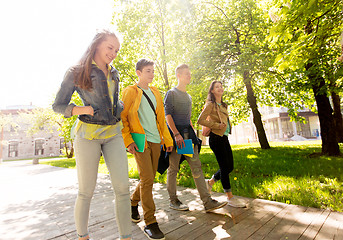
{"type": "Point", "coordinates": [209, 117]}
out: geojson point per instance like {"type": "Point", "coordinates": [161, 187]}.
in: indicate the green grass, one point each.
{"type": "Point", "coordinates": [289, 172]}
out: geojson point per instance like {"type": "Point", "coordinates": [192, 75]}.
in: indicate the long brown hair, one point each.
{"type": "Point", "coordinates": [83, 73]}
{"type": "Point", "coordinates": [210, 95]}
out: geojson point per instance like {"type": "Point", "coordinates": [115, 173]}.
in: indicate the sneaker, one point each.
{"type": "Point", "coordinates": [208, 185]}
{"type": "Point", "coordinates": [152, 231]}
{"type": "Point", "coordinates": [135, 214]}
{"type": "Point", "coordinates": [214, 204]}
{"type": "Point", "coordinates": [177, 205]}
{"type": "Point", "coordinates": [235, 202]}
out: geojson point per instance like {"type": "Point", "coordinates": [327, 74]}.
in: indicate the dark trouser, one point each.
{"type": "Point", "coordinates": [222, 150]}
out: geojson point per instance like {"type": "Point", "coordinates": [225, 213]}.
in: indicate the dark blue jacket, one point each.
{"type": "Point", "coordinates": [98, 97]}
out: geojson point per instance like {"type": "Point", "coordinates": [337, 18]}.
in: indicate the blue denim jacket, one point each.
{"type": "Point", "coordinates": [98, 97]}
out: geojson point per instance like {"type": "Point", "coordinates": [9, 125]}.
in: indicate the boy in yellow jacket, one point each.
{"type": "Point", "coordinates": [144, 114]}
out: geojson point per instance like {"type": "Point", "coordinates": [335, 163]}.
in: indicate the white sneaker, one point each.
{"type": "Point", "coordinates": [208, 185]}
{"type": "Point", "coordinates": [235, 202]}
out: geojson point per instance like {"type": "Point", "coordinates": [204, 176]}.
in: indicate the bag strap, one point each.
{"type": "Point", "coordinates": [150, 102]}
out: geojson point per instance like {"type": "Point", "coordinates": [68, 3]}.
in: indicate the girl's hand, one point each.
{"type": "Point", "coordinates": [84, 110]}
{"type": "Point", "coordinates": [89, 110]}
{"type": "Point", "coordinates": [222, 125]}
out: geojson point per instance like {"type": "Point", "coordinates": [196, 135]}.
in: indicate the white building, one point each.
{"type": "Point", "coordinates": [277, 126]}
{"type": "Point", "coordinates": [16, 144]}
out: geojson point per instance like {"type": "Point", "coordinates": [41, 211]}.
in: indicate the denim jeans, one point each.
{"type": "Point", "coordinates": [87, 153]}
{"type": "Point", "coordinates": [223, 152]}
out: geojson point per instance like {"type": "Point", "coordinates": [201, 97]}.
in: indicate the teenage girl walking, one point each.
{"type": "Point", "coordinates": [216, 117]}
{"type": "Point", "coordinates": [98, 129]}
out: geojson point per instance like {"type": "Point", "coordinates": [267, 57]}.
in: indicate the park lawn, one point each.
{"type": "Point", "coordinates": [289, 172]}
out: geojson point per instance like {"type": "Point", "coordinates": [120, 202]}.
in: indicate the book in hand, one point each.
{"type": "Point", "coordinates": [187, 149]}
{"type": "Point", "coordinates": [139, 140]}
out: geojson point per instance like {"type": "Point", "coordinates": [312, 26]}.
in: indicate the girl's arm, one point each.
{"type": "Point", "coordinates": [62, 103]}
{"type": "Point", "coordinates": [205, 121]}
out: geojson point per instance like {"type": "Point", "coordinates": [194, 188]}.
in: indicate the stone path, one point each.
{"type": "Point", "coordinates": [37, 202]}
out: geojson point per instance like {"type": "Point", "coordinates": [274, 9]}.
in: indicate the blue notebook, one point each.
{"type": "Point", "coordinates": [139, 140]}
{"type": "Point", "coordinates": [188, 149]}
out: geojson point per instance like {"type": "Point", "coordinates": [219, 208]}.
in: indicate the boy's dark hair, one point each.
{"type": "Point", "coordinates": [143, 63]}
{"type": "Point", "coordinates": [180, 68]}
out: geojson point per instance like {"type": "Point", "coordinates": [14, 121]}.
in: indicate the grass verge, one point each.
{"type": "Point", "coordinates": [289, 172]}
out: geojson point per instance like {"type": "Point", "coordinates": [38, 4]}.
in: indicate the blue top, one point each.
{"type": "Point", "coordinates": [228, 128]}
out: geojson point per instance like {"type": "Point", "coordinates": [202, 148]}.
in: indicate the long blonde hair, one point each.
{"type": "Point", "coordinates": [83, 73]}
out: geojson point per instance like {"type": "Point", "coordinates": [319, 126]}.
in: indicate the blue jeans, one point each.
{"type": "Point", "coordinates": [87, 153]}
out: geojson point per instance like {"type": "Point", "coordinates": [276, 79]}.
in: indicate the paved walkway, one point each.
{"type": "Point", "coordinates": [37, 202]}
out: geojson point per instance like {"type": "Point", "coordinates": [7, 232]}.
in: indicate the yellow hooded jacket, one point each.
{"type": "Point", "coordinates": [132, 96]}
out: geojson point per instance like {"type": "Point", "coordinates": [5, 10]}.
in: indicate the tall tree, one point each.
{"type": "Point", "coordinates": [232, 44]}
{"type": "Point", "coordinates": [336, 86]}
{"type": "Point", "coordinates": [157, 29]}
{"type": "Point", "coordinates": [308, 33]}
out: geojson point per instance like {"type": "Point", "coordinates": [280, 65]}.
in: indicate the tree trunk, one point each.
{"type": "Point", "coordinates": [262, 138]}
{"type": "Point", "coordinates": [164, 63]}
{"type": "Point", "coordinates": [328, 132]}
{"type": "Point", "coordinates": [337, 116]}
{"type": "Point", "coordinates": [70, 153]}
{"type": "Point", "coordinates": [163, 53]}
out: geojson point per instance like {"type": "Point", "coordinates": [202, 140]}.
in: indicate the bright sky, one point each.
{"type": "Point", "coordinates": [39, 40]}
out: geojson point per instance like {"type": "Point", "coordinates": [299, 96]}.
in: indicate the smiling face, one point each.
{"type": "Point", "coordinates": [107, 51]}
{"type": "Point", "coordinates": [217, 89]}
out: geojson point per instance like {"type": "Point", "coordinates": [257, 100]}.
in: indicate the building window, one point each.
{"type": "Point", "coordinates": [287, 128]}
{"type": "Point", "coordinates": [304, 128]}
{"type": "Point", "coordinates": [39, 147]}
{"type": "Point", "coordinates": [13, 149]}
{"type": "Point", "coordinates": [12, 129]}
